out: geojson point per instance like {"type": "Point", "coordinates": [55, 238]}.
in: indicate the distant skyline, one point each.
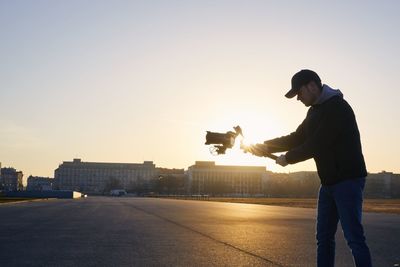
{"type": "Point", "coordinates": [129, 81]}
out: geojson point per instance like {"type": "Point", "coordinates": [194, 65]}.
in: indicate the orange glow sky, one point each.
{"type": "Point", "coordinates": [128, 81]}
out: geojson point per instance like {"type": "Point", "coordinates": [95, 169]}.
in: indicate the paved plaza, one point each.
{"type": "Point", "coordinates": [105, 231]}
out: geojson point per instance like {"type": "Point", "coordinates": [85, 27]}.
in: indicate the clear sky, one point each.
{"type": "Point", "coordinates": [128, 81]}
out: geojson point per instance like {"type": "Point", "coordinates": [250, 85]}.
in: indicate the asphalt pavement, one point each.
{"type": "Point", "coordinates": [126, 231]}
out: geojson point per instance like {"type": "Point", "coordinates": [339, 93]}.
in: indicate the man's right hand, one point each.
{"type": "Point", "coordinates": [260, 150]}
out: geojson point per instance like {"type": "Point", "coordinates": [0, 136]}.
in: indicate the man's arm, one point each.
{"type": "Point", "coordinates": [288, 142]}
{"type": "Point", "coordinates": [322, 138]}
{"type": "Point", "coordinates": [279, 144]}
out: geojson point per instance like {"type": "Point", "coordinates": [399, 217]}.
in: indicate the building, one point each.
{"type": "Point", "coordinates": [207, 178]}
{"type": "Point", "coordinates": [98, 177]}
{"type": "Point", "coordinates": [11, 179]}
{"type": "Point", "coordinates": [303, 184]}
{"type": "Point", "coordinates": [306, 184]}
{"type": "Point", "coordinates": [382, 185]}
{"type": "Point", "coordinates": [395, 186]}
{"type": "Point", "coordinates": [39, 183]}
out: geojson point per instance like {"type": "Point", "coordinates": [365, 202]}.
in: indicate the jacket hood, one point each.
{"type": "Point", "coordinates": [326, 94]}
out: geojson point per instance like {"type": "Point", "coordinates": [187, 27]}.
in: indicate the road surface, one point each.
{"type": "Point", "coordinates": [106, 231]}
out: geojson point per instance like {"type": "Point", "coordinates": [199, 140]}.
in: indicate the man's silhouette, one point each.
{"type": "Point", "coordinates": [329, 134]}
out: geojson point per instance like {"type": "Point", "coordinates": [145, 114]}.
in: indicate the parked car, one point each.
{"type": "Point", "coordinates": [118, 192]}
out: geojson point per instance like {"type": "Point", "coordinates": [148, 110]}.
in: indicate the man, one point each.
{"type": "Point", "coordinates": [330, 135]}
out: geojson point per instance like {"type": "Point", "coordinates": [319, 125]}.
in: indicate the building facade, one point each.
{"type": "Point", "coordinates": [382, 185]}
{"type": "Point", "coordinates": [39, 183]}
{"type": "Point", "coordinates": [11, 179]}
{"type": "Point", "coordinates": [98, 177]}
{"type": "Point", "coordinates": [207, 178]}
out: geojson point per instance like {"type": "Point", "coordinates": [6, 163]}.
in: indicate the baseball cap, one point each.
{"type": "Point", "coordinates": [301, 78]}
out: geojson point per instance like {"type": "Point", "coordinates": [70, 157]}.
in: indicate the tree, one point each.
{"type": "Point", "coordinates": [112, 183]}
{"type": "Point", "coordinates": [169, 184]}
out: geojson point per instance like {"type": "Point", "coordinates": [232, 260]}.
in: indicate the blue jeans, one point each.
{"type": "Point", "coordinates": [342, 201]}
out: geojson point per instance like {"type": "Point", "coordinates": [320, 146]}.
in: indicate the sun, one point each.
{"type": "Point", "coordinates": [254, 131]}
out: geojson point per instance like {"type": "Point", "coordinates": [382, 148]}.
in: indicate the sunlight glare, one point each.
{"type": "Point", "coordinates": [257, 127]}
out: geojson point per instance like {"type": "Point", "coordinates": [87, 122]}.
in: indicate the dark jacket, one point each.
{"type": "Point", "coordinates": [330, 135]}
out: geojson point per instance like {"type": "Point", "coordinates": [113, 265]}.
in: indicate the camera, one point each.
{"type": "Point", "coordinates": [222, 141]}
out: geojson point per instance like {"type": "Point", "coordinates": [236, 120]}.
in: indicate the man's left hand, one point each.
{"type": "Point", "coordinates": [281, 160]}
